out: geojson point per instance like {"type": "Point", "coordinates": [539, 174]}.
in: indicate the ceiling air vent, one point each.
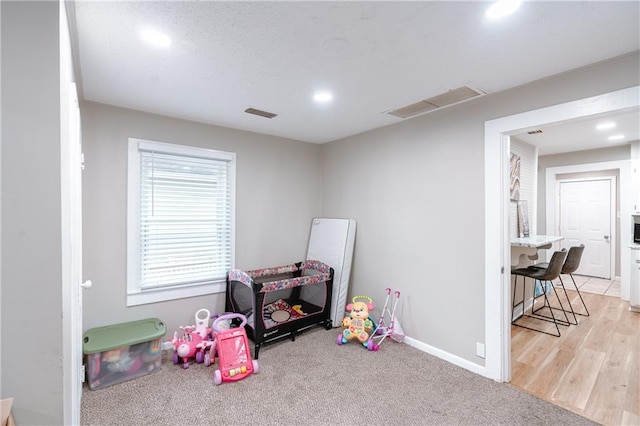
{"type": "Point", "coordinates": [260, 113]}
{"type": "Point", "coordinates": [413, 109]}
{"type": "Point", "coordinates": [451, 97]}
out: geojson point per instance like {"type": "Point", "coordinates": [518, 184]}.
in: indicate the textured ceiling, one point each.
{"type": "Point", "coordinates": [580, 135]}
{"type": "Point", "coordinates": [374, 56]}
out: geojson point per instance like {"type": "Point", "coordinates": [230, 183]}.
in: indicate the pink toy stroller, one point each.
{"type": "Point", "coordinates": [234, 354]}
{"type": "Point", "coordinates": [386, 327]}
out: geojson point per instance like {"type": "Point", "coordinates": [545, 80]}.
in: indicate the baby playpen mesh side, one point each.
{"type": "Point", "coordinates": [281, 301]}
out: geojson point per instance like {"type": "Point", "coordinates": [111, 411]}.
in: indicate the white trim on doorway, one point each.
{"type": "Point", "coordinates": [497, 249]}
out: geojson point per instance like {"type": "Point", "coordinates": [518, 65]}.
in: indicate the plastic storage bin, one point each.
{"type": "Point", "coordinates": [121, 352]}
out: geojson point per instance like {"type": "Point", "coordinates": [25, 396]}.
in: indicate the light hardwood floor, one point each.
{"type": "Point", "coordinates": [592, 369]}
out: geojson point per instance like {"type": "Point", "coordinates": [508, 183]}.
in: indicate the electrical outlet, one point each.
{"type": "Point", "coordinates": [480, 349]}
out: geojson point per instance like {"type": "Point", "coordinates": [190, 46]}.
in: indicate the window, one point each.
{"type": "Point", "coordinates": [180, 233]}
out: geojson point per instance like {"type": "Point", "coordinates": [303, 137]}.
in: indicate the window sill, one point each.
{"type": "Point", "coordinates": [168, 294]}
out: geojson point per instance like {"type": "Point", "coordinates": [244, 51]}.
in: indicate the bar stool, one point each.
{"type": "Point", "coordinates": [571, 264]}
{"type": "Point", "coordinates": [545, 277]}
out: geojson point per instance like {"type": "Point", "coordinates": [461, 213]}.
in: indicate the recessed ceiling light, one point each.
{"type": "Point", "coordinates": [155, 38]}
{"type": "Point", "coordinates": [322, 97]}
{"type": "Point", "coordinates": [502, 8]}
{"type": "Point", "coordinates": [606, 126]}
{"type": "Point", "coordinates": [615, 137]}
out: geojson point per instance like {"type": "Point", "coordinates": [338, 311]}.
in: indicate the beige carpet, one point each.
{"type": "Point", "coordinates": [313, 381]}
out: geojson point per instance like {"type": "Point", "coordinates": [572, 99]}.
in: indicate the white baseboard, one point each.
{"type": "Point", "coordinates": [453, 359]}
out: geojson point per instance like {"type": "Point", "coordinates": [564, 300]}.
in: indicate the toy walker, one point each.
{"type": "Point", "coordinates": [234, 354]}
{"type": "Point", "coordinates": [386, 327]}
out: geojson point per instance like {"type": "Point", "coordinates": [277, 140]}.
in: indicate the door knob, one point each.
{"type": "Point", "coordinates": [606, 237]}
{"type": "Point", "coordinates": [86, 284]}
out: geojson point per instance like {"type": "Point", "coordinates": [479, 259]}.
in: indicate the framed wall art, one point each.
{"type": "Point", "coordinates": [514, 186]}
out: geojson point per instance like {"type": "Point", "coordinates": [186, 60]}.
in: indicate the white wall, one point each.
{"type": "Point", "coordinates": [278, 192]}
{"type": "Point", "coordinates": [417, 192]}
{"type": "Point", "coordinates": [31, 212]}
{"type": "Point", "coordinates": [0, 204]}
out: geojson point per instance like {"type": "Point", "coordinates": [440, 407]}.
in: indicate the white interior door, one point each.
{"type": "Point", "coordinates": [71, 164]}
{"type": "Point", "coordinates": [585, 218]}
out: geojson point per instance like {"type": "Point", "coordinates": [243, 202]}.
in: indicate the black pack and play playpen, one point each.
{"type": "Point", "coordinates": [281, 301]}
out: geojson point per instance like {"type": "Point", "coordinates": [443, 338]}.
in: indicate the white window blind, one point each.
{"type": "Point", "coordinates": [184, 214]}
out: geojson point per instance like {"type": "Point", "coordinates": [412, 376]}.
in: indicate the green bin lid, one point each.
{"type": "Point", "coordinates": [114, 336]}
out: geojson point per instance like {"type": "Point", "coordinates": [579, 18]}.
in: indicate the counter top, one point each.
{"type": "Point", "coordinates": [535, 241]}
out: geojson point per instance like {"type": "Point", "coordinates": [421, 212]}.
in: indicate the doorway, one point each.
{"type": "Point", "coordinates": [585, 217]}
{"type": "Point", "coordinates": [620, 173]}
{"type": "Point", "coordinates": [497, 248]}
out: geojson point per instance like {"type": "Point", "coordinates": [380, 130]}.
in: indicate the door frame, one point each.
{"type": "Point", "coordinates": [497, 247]}
{"type": "Point", "coordinates": [71, 228]}
{"type": "Point", "coordinates": [553, 203]}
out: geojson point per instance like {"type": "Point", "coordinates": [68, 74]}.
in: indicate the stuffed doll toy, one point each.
{"type": "Point", "coordinates": [357, 325]}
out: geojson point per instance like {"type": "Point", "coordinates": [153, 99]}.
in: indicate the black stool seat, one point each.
{"type": "Point", "coordinates": [571, 264]}
{"type": "Point", "coordinates": [545, 277]}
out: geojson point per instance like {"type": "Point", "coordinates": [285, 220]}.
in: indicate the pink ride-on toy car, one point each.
{"type": "Point", "coordinates": [194, 342]}
{"type": "Point", "coordinates": [234, 354]}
